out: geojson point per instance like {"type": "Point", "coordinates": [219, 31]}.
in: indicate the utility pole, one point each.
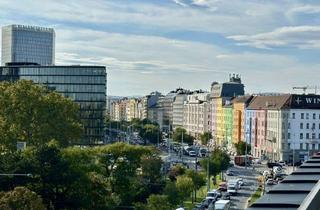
{"type": "Point", "coordinates": [181, 152]}
{"type": "Point", "coordinates": [208, 174]}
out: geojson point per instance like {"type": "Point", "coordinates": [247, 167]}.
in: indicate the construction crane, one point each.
{"type": "Point", "coordinates": [304, 88]}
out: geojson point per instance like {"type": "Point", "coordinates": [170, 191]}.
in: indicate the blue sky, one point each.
{"type": "Point", "coordinates": [150, 45]}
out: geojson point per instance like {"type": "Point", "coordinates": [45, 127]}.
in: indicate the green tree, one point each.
{"type": "Point", "coordinates": [172, 192]}
{"type": "Point", "coordinates": [150, 133]}
{"type": "Point", "coordinates": [241, 148]}
{"type": "Point", "coordinates": [219, 161]}
{"type": "Point", "coordinates": [158, 202]}
{"type": "Point", "coordinates": [177, 136]}
{"type": "Point", "coordinates": [33, 114]}
{"type": "Point", "coordinates": [21, 198]}
{"type": "Point", "coordinates": [205, 137]}
{"type": "Point", "coordinates": [184, 186]}
{"type": "Point", "coordinates": [58, 183]}
{"type": "Point", "coordinates": [175, 171]}
{"type": "Point", "coordinates": [198, 180]}
{"type": "Point", "coordinates": [121, 163]}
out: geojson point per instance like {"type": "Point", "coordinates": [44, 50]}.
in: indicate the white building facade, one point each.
{"type": "Point", "coordinates": [304, 127]}
{"type": "Point", "coordinates": [196, 111]}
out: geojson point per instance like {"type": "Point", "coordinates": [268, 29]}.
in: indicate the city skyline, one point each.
{"type": "Point", "coordinates": [161, 45]}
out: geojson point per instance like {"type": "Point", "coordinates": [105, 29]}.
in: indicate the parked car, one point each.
{"type": "Point", "coordinates": [270, 182]}
{"type": "Point", "coordinates": [202, 152]}
{"type": "Point", "coordinates": [206, 202]}
{"type": "Point", "coordinates": [271, 164]}
{"type": "Point", "coordinates": [214, 193]}
{"type": "Point", "coordinates": [230, 173]}
{"type": "Point", "coordinates": [282, 163]}
{"type": "Point", "coordinates": [226, 196]}
{"type": "Point", "coordinates": [222, 205]}
{"type": "Point", "coordinates": [186, 150]}
{"type": "Point", "coordinates": [233, 187]}
{"type": "Point", "coordinates": [223, 186]}
{"type": "Point", "coordinates": [192, 153]}
{"type": "Point", "coordinates": [257, 161]}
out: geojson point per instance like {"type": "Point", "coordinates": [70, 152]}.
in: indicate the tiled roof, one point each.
{"type": "Point", "coordinates": [270, 102]}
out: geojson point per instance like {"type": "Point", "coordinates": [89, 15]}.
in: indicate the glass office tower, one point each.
{"type": "Point", "coordinates": [86, 85]}
{"type": "Point", "coordinates": [28, 44]}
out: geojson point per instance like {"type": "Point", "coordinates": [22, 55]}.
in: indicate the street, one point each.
{"type": "Point", "coordinates": [250, 185]}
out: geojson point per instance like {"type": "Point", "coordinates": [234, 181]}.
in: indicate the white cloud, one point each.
{"type": "Point", "coordinates": [304, 9]}
{"type": "Point", "coordinates": [181, 3]}
{"type": "Point", "coordinates": [226, 17]}
{"type": "Point", "coordinates": [293, 36]}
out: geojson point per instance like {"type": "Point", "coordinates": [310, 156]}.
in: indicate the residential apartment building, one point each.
{"type": "Point", "coordinates": [195, 119]}
{"type": "Point", "coordinates": [228, 125]}
{"type": "Point", "coordinates": [167, 105]}
{"type": "Point", "coordinates": [239, 104]}
{"type": "Point", "coordinates": [28, 44]}
{"type": "Point", "coordinates": [178, 108]}
{"type": "Point", "coordinates": [303, 136]}
{"type": "Point", "coordinates": [266, 126]}
{"type": "Point", "coordinates": [220, 95]}
{"type": "Point", "coordinates": [119, 110]}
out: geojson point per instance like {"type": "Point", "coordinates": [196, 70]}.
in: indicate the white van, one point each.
{"type": "Point", "coordinates": [222, 205]}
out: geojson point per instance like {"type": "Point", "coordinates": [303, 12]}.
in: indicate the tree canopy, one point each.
{"type": "Point", "coordinates": [219, 161]}
{"type": "Point", "coordinates": [205, 137]}
{"type": "Point", "coordinates": [31, 113]}
{"type": "Point", "coordinates": [241, 148]}
{"type": "Point", "coordinates": [21, 198]}
{"type": "Point", "coordinates": [179, 132]}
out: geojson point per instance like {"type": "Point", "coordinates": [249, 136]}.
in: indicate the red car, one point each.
{"type": "Point", "coordinates": [223, 186]}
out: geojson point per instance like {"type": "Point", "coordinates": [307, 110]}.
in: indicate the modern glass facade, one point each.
{"type": "Point", "coordinates": [28, 44]}
{"type": "Point", "coordinates": [85, 85]}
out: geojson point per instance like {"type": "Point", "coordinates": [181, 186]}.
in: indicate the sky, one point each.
{"type": "Point", "coordinates": [149, 45]}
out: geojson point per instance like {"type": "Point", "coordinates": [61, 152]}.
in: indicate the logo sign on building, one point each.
{"type": "Point", "coordinates": [305, 102]}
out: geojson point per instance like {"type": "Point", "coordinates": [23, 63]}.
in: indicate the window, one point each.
{"type": "Point", "coordinates": [307, 116]}
{"type": "Point", "coordinates": [301, 125]}
{"type": "Point", "coordinates": [301, 146]}
{"type": "Point", "coordinates": [307, 146]}
{"type": "Point", "coordinates": [302, 116]}
{"type": "Point", "coordinates": [307, 126]}
{"type": "Point", "coordinates": [301, 135]}
{"type": "Point", "coordinates": [289, 125]}
{"type": "Point", "coordinates": [288, 135]}
{"type": "Point", "coordinates": [314, 116]}
{"type": "Point", "coordinates": [313, 135]}
{"type": "Point", "coordinates": [307, 136]}
{"type": "Point", "coordinates": [313, 126]}
{"type": "Point", "coordinates": [294, 116]}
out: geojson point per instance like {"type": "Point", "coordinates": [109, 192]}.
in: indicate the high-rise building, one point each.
{"type": "Point", "coordinates": [86, 85]}
{"type": "Point", "coordinates": [30, 44]}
